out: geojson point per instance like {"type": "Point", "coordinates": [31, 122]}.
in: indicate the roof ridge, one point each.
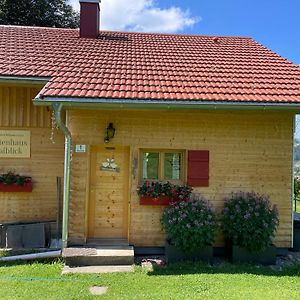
{"type": "Point", "coordinates": [36, 27]}
{"type": "Point", "coordinates": [177, 34]}
{"type": "Point", "coordinates": [131, 32]}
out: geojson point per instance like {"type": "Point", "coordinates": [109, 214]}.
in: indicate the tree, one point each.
{"type": "Point", "coordinates": [297, 152]}
{"type": "Point", "coordinates": [44, 13]}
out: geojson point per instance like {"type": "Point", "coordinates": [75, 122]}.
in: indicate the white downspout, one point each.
{"type": "Point", "coordinates": [57, 108]}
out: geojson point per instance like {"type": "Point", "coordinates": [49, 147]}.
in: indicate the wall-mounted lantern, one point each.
{"type": "Point", "coordinates": [110, 132]}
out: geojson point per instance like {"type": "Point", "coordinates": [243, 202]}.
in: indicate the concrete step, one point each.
{"type": "Point", "coordinates": [100, 256]}
{"type": "Point", "coordinates": [96, 269]}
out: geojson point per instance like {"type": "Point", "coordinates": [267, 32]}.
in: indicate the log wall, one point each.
{"type": "Point", "coordinates": [249, 151]}
{"type": "Point", "coordinates": [46, 162]}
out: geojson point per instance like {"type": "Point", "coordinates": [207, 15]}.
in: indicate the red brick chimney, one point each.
{"type": "Point", "coordinates": [89, 18]}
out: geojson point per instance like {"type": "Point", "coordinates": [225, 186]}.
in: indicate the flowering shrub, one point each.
{"type": "Point", "coordinates": [12, 178]}
{"type": "Point", "coordinates": [158, 189]}
{"type": "Point", "coordinates": [190, 225]}
{"type": "Point", "coordinates": [249, 220]}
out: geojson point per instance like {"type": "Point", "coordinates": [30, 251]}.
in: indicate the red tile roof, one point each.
{"type": "Point", "coordinates": [122, 65]}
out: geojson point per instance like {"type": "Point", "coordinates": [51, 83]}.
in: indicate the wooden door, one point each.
{"type": "Point", "coordinates": [108, 202]}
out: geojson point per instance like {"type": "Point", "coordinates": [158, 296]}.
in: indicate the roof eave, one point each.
{"type": "Point", "coordinates": [24, 80]}
{"type": "Point", "coordinates": [105, 103]}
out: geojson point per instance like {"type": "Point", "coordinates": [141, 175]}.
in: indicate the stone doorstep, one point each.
{"type": "Point", "coordinates": [115, 252]}
{"type": "Point", "coordinates": [96, 269]}
{"type": "Point", "coordinates": [99, 260]}
{"type": "Point", "coordinates": [99, 256]}
{"type": "Point", "coordinates": [98, 251]}
{"type": "Point", "coordinates": [76, 252]}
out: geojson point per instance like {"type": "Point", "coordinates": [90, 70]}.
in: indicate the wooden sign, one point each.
{"type": "Point", "coordinates": [15, 143]}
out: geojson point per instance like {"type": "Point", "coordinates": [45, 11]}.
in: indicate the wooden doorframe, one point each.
{"type": "Point", "coordinates": [88, 186]}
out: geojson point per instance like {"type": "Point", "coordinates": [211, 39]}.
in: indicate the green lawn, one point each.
{"type": "Point", "coordinates": [40, 280]}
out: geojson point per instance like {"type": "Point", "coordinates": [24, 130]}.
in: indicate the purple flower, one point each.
{"type": "Point", "coordinates": [247, 216]}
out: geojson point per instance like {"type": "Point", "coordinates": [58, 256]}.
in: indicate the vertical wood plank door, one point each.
{"type": "Point", "coordinates": [108, 201]}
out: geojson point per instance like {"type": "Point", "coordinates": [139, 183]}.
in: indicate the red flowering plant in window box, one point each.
{"type": "Point", "coordinates": [160, 193]}
{"type": "Point", "coordinates": [11, 182]}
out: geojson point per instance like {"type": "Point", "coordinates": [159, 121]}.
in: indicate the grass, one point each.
{"type": "Point", "coordinates": [42, 280]}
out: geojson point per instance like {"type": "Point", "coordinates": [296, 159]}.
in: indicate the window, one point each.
{"type": "Point", "coordinates": [162, 165]}
{"type": "Point", "coordinates": [150, 165]}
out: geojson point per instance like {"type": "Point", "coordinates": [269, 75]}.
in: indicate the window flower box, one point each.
{"type": "Point", "coordinates": [26, 187]}
{"type": "Point", "coordinates": [153, 201]}
{"type": "Point", "coordinates": [160, 193]}
{"type": "Point", "coordinates": [11, 182]}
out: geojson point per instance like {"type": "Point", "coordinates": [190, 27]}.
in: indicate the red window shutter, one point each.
{"type": "Point", "coordinates": [198, 168]}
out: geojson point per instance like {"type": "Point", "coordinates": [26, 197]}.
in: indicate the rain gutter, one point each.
{"type": "Point", "coordinates": [57, 108]}
{"type": "Point", "coordinates": [24, 80]}
{"type": "Point", "coordinates": [76, 102]}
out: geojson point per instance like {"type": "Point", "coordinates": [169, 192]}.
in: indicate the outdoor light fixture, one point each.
{"type": "Point", "coordinates": [110, 132]}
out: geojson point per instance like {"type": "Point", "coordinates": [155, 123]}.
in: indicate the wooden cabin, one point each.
{"type": "Point", "coordinates": [162, 96]}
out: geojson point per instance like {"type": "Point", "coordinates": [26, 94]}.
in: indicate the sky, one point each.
{"type": "Point", "coordinates": [273, 23]}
